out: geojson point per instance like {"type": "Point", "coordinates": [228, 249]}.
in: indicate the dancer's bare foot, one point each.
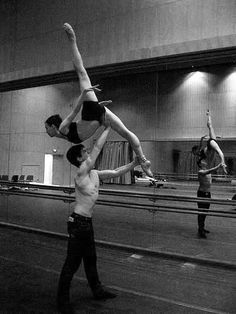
{"type": "Point", "coordinates": [209, 123]}
{"type": "Point", "coordinates": [69, 31]}
{"type": "Point", "coordinates": [146, 166]}
{"type": "Point", "coordinates": [224, 168]}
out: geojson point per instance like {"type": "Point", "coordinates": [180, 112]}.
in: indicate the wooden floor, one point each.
{"type": "Point", "coordinates": [30, 265]}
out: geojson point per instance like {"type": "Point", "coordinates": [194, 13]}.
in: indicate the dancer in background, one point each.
{"type": "Point", "coordinates": [93, 113]}
{"type": "Point", "coordinates": [204, 190]}
{"type": "Point", "coordinates": [208, 152]}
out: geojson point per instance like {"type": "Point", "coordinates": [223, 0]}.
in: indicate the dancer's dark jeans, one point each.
{"type": "Point", "coordinates": [81, 245]}
{"type": "Point", "coordinates": [202, 217]}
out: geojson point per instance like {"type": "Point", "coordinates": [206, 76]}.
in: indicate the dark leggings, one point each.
{"type": "Point", "coordinates": [81, 245]}
{"type": "Point", "coordinates": [202, 217]}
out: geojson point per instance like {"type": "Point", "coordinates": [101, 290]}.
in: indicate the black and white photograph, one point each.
{"type": "Point", "coordinates": [117, 156]}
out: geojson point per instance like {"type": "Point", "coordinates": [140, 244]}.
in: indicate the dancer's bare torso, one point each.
{"type": "Point", "coordinates": [86, 192]}
{"type": "Point", "coordinates": [205, 181]}
{"type": "Point", "coordinates": [86, 129]}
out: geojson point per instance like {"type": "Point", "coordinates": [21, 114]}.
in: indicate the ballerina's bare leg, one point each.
{"type": "Point", "coordinates": [212, 134]}
{"type": "Point", "coordinates": [118, 126]}
{"type": "Point", "coordinates": [213, 144]}
{"type": "Point", "coordinates": [84, 79]}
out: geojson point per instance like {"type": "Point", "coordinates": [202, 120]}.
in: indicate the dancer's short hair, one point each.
{"type": "Point", "coordinates": [73, 153]}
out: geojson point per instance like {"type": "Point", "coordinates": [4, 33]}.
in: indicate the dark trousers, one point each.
{"type": "Point", "coordinates": [81, 245]}
{"type": "Point", "coordinates": [202, 217]}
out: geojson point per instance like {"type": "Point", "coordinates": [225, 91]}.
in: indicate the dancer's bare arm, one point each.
{"type": "Point", "coordinates": [67, 121]}
{"type": "Point", "coordinates": [107, 174]}
{"type": "Point", "coordinates": [90, 162]}
{"type": "Point", "coordinates": [207, 171]}
{"type": "Point", "coordinates": [216, 148]}
{"type": "Point", "coordinates": [212, 134]}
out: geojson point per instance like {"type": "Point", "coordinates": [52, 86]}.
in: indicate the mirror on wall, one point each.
{"type": "Point", "coordinates": [166, 110]}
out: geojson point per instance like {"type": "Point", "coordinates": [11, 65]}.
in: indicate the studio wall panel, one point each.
{"type": "Point", "coordinates": [134, 102]}
{"type": "Point", "coordinates": [4, 154]}
{"type": "Point", "coordinates": [43, 50]}
{"type": "Point", "coordinates": [33, 42]}
{"type": "Point", "coordinates": [5, 112]}
{"type": "Point", "coordinates": [46, 16]}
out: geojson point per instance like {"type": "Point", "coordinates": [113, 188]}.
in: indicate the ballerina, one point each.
{"type": "Point", "coordinates": [93, 114]}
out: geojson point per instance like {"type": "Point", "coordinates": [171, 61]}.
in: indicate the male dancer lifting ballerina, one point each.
{"type": "Point", "coordinates": [81, 243]}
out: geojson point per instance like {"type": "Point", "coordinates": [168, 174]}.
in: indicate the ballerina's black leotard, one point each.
{"type": "Point", "coordinates": [91, 111]}
{"type": "Point", "coordinates": [72, 135]}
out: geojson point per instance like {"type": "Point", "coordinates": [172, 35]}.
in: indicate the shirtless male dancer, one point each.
{"type": "Point", "coordinates": [93, 113]}
{"type": "Point", "coordinates": [204, 190]}
{"type": "Point", "coordinates": [81, 243]}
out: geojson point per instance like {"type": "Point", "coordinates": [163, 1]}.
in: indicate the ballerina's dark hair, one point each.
{"type": "Point", "coordinates": [54, 120]}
